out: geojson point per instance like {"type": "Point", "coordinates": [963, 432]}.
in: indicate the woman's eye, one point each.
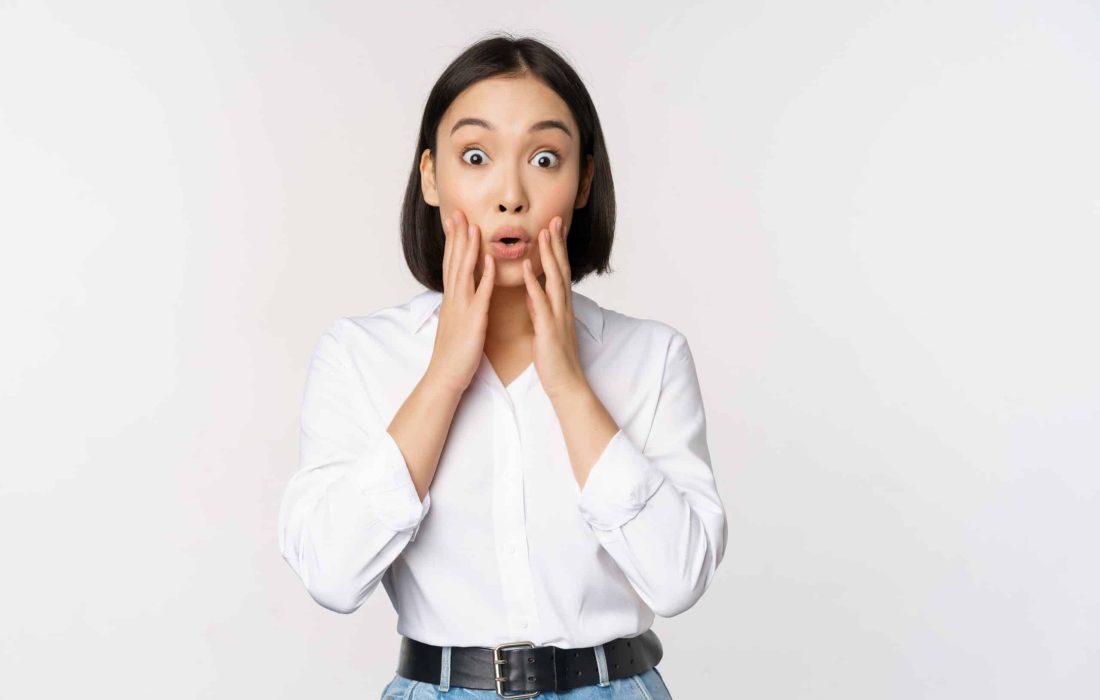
{"type": "Point", "coordinates": [474, 150]}
{"type": "Point", "coordinates": [543, 156]}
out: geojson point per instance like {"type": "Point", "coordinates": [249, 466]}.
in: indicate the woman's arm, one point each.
{"type": "Point", "coordinates": [656, 510]}
{"type": "Point", "coordinates": [360, 493]}
{"type": "Point", "coordinates": [420, 428]}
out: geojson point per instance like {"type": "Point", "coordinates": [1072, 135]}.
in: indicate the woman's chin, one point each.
{"type": "Point", "coordinates": [507, 275]}
{"type": "Point", "coordinates": [509, 281]}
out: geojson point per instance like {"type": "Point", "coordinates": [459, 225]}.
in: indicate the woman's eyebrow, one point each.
{"type": "Point", "coordinates": [537, 126]}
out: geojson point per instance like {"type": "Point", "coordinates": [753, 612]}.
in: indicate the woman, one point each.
{"type": "Point", "coordinates": [562, 444]}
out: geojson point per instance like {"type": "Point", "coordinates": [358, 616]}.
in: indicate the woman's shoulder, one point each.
{"type": "Point", "coordinates": [388, 322]}
{"type": "Point", "coordinates": [638, 343]}
{"type": "Point", "coordinates": [621, 327]}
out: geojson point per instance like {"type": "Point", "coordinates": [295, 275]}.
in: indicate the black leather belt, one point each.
{"type": "Point", "coordinates": [523, 670]}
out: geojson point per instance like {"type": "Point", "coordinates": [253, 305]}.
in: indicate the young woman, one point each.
{"type": "Point", "coordinates": [560, 447]}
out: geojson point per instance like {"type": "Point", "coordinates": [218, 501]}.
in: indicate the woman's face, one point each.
{"type": "Point", "coordinates": [499, 172]}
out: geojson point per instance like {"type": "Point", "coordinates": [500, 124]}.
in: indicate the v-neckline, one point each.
{"type": "Point", "coordinates": [517, 383]}
{"type": "Point", "coordinates": [518, 378]}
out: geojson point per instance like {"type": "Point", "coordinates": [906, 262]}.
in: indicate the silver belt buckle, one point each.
{"type": "Point", "coordinates": [498, 662]}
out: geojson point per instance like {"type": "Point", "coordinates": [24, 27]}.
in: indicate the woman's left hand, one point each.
{"type": "Point", "coordinates": [557, 359]}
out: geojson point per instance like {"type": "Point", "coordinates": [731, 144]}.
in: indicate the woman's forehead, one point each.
{"type": "Point", "coordinates": [508, 104]}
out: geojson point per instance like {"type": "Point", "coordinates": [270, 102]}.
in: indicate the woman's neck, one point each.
{"type": "Point", "coordinates": [509, 319]}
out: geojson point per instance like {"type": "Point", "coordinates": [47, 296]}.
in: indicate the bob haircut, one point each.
{"type": "Point", "coordinates": [593, 226]}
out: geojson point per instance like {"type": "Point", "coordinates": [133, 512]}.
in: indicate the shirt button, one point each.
{"type": "Point", "coordinates": [511, 549]}
{"type": "Point", "coordinates": [523, 625]}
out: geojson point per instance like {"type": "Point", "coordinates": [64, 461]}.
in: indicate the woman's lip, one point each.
{"type": "Point", "coordinates": [509, 252]}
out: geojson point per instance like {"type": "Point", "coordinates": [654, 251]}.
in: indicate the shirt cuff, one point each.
{"type": "Point", "coordinates": [619, 484]}
{"type": "Point", "coordinates": [391, 494]}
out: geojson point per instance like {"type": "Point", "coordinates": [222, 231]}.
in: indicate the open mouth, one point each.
{"type": "Point", "coordinates": [511, 248]}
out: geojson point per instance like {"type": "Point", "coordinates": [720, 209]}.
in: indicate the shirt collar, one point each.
{"type": "Point", "coordinates": [425, 305]}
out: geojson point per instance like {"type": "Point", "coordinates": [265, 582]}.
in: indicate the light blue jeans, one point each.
{"type": "Point", "coordinates": [643, 686]}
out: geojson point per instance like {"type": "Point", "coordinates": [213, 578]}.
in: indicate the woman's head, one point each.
{"type": "Point", "coordinates": [477, 153]}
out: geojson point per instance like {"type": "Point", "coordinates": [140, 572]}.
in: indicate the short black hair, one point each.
{"type": "Point", "coordinates": [592, 229]}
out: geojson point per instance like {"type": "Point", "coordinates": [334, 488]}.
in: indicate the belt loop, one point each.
{"type": "Point", "coordinates": [445, 670]}
{"type": "Point", "coordinates": [601, 664]}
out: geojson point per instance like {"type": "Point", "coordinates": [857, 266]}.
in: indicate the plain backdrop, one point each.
{"type": "Point", "coordinates": [877, 223]}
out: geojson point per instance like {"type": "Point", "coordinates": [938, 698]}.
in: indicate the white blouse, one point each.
{"type": "Point", "coordinates": [505, 546]}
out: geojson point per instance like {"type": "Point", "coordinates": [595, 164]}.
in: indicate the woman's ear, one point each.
{"type": "Point", "coordinates": [427, 178]}
{"type": "Point", "coordinates": [586, 185]}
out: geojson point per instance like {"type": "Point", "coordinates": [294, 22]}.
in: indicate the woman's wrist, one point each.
{"type": "Point", "coordinates": [442, 389]}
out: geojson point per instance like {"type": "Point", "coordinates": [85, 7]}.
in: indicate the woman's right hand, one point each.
{"type": "Point", "coordinates": [464, 312]}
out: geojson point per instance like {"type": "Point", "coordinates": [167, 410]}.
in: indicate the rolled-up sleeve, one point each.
{"type": "Point", "coordinates": [656, 509]}
{"type": "Point", "coordinates": [351, 507]}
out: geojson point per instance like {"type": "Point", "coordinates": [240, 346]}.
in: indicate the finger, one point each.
{"type": "Point", "coordinates": [561, 251]}
{"type": "Point", "coordinates": [469, 260]}
{"type": "Point", "coordinates": [458, 228]}
{"type": "Point", "coordinates": [485, 287]}
{"type": "Point", "coordinates": [535, 296]}
{"type": "Point", "coordinates": [550, 268]}
{"type": "Point", "coordinates": [448, 245]}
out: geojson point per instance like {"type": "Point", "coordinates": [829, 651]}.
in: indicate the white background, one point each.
{"type": "Point", "coordinates": [876, 222]}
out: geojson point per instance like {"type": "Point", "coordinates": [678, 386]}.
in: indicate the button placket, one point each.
{"type": "Point", "coordinates": [510, 517]}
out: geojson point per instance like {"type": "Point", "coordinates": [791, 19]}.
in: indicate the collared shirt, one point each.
{"type": "Point", "coordinates": [505, 546]}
